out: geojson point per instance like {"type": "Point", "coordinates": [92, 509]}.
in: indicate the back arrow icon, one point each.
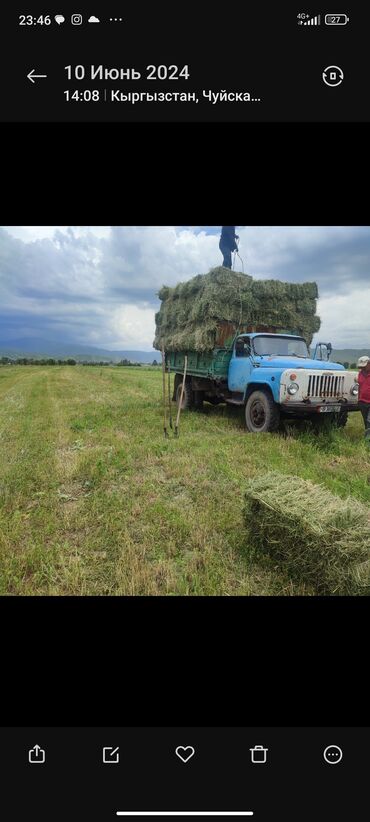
{"type": "Point", "coordinates": [31, 75]}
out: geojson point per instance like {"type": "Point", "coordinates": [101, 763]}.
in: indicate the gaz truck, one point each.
{"type": "Point", "coordinates": [273, 376]}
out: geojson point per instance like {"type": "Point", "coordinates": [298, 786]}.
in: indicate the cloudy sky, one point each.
{"type": "Point", "coordinates": [97, 285]}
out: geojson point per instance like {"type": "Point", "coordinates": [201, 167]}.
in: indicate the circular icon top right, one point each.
{"type": "Point", "coordinates": [333, 76]}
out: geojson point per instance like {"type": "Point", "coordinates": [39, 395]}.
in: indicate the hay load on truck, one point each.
{"type": "Point", "coordinates": [247, 343]}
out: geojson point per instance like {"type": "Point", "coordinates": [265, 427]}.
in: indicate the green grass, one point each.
{"type": "Point", "coordinates": [94, 500]}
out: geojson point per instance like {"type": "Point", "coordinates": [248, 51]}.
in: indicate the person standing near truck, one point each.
{"type": "Point", "coordinates": [363, 380]}
{"type": "Point", "coordinates": [228, 244]}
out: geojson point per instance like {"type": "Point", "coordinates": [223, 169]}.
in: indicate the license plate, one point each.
{"type": "Point", "coordinates": [325, 409]}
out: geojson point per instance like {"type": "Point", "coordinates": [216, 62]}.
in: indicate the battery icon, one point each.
{"type": "Point", "coordinates": [336, 19]}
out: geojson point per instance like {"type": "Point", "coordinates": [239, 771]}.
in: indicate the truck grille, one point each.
{"type": "Point", "coordinates": [325, 385]}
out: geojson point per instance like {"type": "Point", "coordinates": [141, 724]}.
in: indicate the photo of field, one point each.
{"type": "Point", "coordinates": [94, 501]}
{"type": "Point", "coordinates": [184, 411]}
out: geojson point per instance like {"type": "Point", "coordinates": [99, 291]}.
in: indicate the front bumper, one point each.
{"type": "Point", "coordinates": [311, 409]}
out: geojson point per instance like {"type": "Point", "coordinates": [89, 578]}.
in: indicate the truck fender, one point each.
{"type": "Point", "coordinates": [258, 386]}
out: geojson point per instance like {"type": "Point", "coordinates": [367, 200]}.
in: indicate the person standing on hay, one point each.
{"type": "Point", "coordinates": [363, 380]}
{"type": "Point", "coordinates": [228, 244]}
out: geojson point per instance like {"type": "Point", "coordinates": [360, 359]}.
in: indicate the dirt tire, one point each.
{"type": "Point", "coordinates": [262, 415]}
{"type": "Point", "coordinates": [188, 399]}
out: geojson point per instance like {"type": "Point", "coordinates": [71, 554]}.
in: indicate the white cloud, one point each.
{"type": "Point", "coordinates": [31, 233]}
{"type": "Point", "coordinates": [133, 325]}
{"type": "Point", "coordinates": [345, 319]}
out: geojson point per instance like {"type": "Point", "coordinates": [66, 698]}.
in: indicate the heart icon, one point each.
{"type": "Point", "coordinates": [185, 753]}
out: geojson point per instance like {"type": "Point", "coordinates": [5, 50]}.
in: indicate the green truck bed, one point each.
{"type": "Point", "coordinates": [210, 364]}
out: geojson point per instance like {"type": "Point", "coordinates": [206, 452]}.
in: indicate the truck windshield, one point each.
{"type": "Point", "coordinates": [280, 346]}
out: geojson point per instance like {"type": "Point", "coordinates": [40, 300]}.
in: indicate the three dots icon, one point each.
{"type": "Point", "coordinates": [116, 19]}
{"type": "Point", "coordinates": [333, 754]}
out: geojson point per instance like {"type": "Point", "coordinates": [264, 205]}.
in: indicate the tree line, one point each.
{"type": "Point", "coordinates": [69, 361]}
{"type": "Point", "coordinates": [32, 361]}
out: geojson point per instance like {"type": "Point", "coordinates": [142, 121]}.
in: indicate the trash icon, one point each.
{"type": "Point", "coordinates": [259, 755]}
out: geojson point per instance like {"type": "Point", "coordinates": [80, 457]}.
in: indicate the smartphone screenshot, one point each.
{"type": "Point", "coordinates": [184, 412]}
{"type": "Point", "coordinates": [194, 429]}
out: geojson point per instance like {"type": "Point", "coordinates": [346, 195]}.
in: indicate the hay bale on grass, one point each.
{"type": "Point", "coordinates": [316, 537]}
{"type": "Point", "coordinates": [191, 312]}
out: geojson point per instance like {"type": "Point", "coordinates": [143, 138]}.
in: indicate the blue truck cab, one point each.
{"type": "Point", "coordinates": [272, 376]}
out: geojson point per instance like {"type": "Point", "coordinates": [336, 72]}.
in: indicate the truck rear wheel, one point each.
{"type": "Point", "coordinates": [187, 401]}
{"type": "Point", "coordinates": [262, 415]}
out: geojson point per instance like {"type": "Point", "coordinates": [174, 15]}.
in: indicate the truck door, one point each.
{"type": "Point", "coordinates": [240, 368]}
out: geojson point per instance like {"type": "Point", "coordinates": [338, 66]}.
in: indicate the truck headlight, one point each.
{"type": "Point", "coordinates": [354, 390]}
{"type": "Point", "coordinates": [293, 388]}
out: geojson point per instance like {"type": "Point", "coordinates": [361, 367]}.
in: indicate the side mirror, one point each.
{"type": "Point", "coordinates": [319, 352]}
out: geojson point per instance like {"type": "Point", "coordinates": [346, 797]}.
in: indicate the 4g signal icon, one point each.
{"type": "Point", "coordinates": [306, 20]}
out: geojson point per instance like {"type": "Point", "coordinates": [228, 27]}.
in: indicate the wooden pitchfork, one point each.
{"type": "Point", "coordinates": [165, 428]}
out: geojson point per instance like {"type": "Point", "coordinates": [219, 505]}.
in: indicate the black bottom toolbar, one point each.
{"type": "Point", "coordinates": [143, 773]}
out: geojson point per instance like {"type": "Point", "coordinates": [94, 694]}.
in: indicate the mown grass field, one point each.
{"type": "Point", "coordinates": [94, 500]}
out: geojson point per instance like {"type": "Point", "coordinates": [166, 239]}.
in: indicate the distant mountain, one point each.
{"type": "Point", "coordinates": [36, 347]}
{"type": "Point", "coordinates": [350, 355]}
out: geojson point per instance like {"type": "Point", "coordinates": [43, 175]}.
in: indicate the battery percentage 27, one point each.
{"type": "Point", "coordinates": [336, 19]}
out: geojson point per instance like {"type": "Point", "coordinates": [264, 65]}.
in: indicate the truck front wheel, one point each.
{"type": "Point", "coordinates": [262, 415]}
